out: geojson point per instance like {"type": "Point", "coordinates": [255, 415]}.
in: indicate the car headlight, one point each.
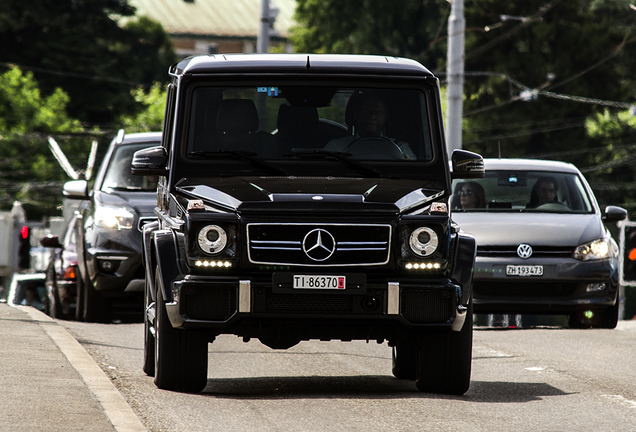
{"type": "Point", "coordinates": [114, 217]}
{"type": "Point", "coordinates": [423, 241]}
{"type": "Point", "coordinates": [596, 250]}
{"type": "Point", "coordinates": [212, 239]}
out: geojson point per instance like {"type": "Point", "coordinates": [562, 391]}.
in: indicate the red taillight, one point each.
{"type": "Point", "coordinates": [69, 273]}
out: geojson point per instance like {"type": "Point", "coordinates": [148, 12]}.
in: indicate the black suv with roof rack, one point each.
{"type": "Point", "coordinates": [306, 197]}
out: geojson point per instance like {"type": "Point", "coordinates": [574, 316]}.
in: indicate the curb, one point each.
{"type": "Point", "coordinates": [112, 402]}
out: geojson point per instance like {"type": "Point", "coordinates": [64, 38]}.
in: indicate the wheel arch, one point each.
{"type": "Point", "coordinates": [464, 264]}
{"type": "Point", "coordinates": [163, 255]}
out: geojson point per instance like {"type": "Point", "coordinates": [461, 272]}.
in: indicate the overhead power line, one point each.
{"type": "Point", "coordinates": [75, 74]}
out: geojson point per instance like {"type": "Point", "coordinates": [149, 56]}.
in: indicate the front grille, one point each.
{"type": "Point", "coordinates": [537, 251]}
{"type": "Point", "coordinates": [319, 244]}
{"type": "Point", "coordinates": [210, 303]}
{"type": "Point", "coordinates": [426, 306]}
{"type": "Point", "coordinates": [523, 289]}
{"type": "Point", "coordinates": [265, 301]}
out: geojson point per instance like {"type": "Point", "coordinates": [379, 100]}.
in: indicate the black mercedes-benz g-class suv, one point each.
{"type": "Point", "coordinates": [306, 197]}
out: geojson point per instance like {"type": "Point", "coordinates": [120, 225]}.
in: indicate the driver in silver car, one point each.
{"type": "Point", "coordinates": [544, 191]}
{"type": "Point", "coordinates": [370, 116]}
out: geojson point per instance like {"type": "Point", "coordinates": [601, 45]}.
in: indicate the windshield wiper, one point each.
{"type": "Point", "coordinates": [245, 155]}
{"type": "Point", "coordinates": [341, 156]}
{"type": "Point", "coordinates": [128, 188]}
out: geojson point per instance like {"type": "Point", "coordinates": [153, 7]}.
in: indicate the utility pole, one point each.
{"type": "Point", "coordinates": [262, 48]}
{"type": "Point", "coordinates": [263, 30]}
{"type": "Point", "coordinates": [455, 75]}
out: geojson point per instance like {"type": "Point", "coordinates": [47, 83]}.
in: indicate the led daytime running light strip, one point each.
{"type": "Point", "coordinates": [211, 264]}
{"type": "Point", "coordinates": [423, 266]}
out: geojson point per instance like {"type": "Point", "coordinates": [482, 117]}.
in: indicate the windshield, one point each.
{"type": "Point", "coordinates": [118, 175]}
{"type": "Point", "coordinates": [288, 122]}
{"type": "Point", "coordinates": [532, 191]}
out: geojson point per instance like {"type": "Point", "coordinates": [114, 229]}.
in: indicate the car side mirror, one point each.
{"type": "Point", "coordinates": [466, 165]}
{"type": "Point", "coordinates": [76, 189]}
{"type": "Point", "coordinates": [50, 241]}
{"type": "Point", "coordinates": [150, 161]}
{"type": "Point", "coordinates": [614, 214]}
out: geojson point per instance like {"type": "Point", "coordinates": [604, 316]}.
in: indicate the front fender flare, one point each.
{"type": "Point", "coordinates": [166, 259]}
{"type": "Point", "coordinates": [464, 264]}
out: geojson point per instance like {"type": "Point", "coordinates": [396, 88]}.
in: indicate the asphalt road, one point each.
{"type": "Point", "coordinates": [546, 379]}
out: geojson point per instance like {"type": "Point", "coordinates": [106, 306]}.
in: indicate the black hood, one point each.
{"type": "Point", "coordinates": [143, 203]}
{"type": "Point", "coordinates": [262, 193]}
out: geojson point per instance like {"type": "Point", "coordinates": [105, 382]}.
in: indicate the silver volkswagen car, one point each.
{"type": "Point", "coordinates": [542, 243]}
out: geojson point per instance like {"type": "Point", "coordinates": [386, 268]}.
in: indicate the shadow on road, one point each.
{"type": "Point", "coordinates": [368, 387]}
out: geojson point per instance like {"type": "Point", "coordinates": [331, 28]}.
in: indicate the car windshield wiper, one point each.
{"type": "Point", "coordinates": [245, 155]}
{"type": "Point", "coordinates": [341, 156]}
{"type": "Point", "coordinates": [129, 188]}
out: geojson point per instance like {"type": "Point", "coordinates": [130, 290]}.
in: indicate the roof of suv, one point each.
{"type": "Point", "coordinates": [529, 164]}
{"type": "Point", "coordinates": [141, 137]}
{"type": "Point", "coordinates": [300, 63]}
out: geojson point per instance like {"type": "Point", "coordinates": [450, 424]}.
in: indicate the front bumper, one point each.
{"type": "Point", "coordinates": [382, 310]}
{"type": "Point", "coordinates": [566, 286]}
{"type": "Point", "coordinates": [113, 270]}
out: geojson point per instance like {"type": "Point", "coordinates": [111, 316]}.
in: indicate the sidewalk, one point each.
{"type": "Point", "coordinates": [49, 383]}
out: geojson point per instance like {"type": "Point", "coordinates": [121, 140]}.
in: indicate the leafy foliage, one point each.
{"type": "Point", "coordinates": [151, 118]}
{"type": "Point", "coordinates": [81, 47]}
{"type": "Point", "coordinates": [535, 71]}
{"type": "Point", "coordinates": [409, 28]}
{"type": "Point", "coordinates": [28, 171]}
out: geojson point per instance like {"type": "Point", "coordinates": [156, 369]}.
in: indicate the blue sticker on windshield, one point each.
{"type": "Point", "coordinates": [271, 91]}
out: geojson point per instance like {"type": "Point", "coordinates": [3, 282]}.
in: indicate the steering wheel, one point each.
{"type": "Point", "coordinates": [375, 148]}
{"type": "Point", "coordinates": [553, 206]}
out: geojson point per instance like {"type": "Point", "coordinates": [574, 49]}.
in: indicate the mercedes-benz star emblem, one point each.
{"type": "Point", "coordinates": [319, 244]}
{"type": "Point", "coordinates": [524, 251]}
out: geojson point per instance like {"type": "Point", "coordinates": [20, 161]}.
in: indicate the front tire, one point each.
{"type": "Point", "coordinates": [149, 338]}
{"type": "Point", "coordinates": [609, 317]}
{"type": "Point", "coordinates": [181, 357]}
{"type": "Point", "coordinates": [55, 305]}
{"type": "Point", "coordinates": [95, 307]}
{"type": "Point", "coordinates": [444, 364]}
{"type": "Point", "coordinates": [404, 359]}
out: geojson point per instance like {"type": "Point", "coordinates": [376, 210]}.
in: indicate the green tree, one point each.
{"type": "Point", "coordinates": [534, 70]}
{"type": "Point", "coordinates": [612, 165]}
{"type": "Point", "coordinates": [28, 170]}
{"type": "Point", "coordinates": [81, 47]}
{"type": "Point", "coordinates": [151, 118]}
{"type": "Point", "coordinates": [408, 28]}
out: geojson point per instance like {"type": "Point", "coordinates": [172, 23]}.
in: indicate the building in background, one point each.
{"type": "Point", "coordinates": [219, 26]}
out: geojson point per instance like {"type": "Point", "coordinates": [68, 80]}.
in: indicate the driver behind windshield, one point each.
{"type": "Point", "coordinates": [544, 191]}
{"type": "Point", "coordinates": [370, 116]}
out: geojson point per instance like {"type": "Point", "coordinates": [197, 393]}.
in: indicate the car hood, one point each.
{"type": "Point", "coordinates": [506, 229]}
{"type": "Point", "coordinates": [143, 203]}
{"type": "Point", "coordinates": [245, 193]}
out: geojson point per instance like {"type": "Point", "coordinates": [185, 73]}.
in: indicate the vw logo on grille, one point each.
{"type": "Point", "coordinates": [319, 244]}
{"type": "Point", "coordinates": [524, 251]}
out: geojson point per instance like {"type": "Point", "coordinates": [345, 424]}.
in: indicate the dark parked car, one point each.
{"type": "Point", "coordinates": [337, 226]}
{"type": "Point", "coordinates": [108, 228]}
{"type": "Point", "coordinates": [61, 273]}
{"type": "Point", "coordinates": [542, 246]}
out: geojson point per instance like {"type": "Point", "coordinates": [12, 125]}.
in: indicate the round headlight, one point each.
{"type": "Point", "coordinates": [423, 241]}
{"type": "Point", "coordinates": [212, 239]}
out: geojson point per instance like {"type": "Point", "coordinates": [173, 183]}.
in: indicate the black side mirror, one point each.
{"type": "Point", "coordinates": [466, 165]}
{"type": "Point", "coordinates": [150, 161]}
{"type": "Point", "coordinates": [50, 241]}
{"type": "Point", "coordinates": [614, 214]}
